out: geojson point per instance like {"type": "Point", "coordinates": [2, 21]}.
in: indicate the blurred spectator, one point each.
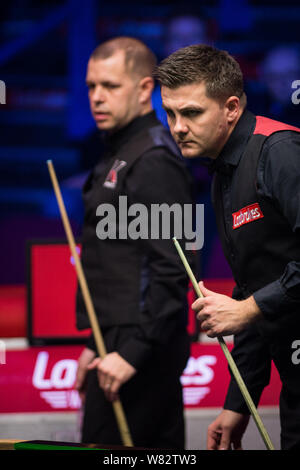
{"type": "Point", "coordinates": [273, 95]}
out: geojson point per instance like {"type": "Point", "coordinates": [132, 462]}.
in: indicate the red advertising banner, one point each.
{"type": "Point", "coordinates": [52, 290]}
{"type": "Point", "coordinates": [42, 379]}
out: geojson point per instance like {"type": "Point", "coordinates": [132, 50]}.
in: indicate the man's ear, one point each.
{"type": "Point", "coordinates": [232, 107]}
{"type": "Point", "coordinates": [146, 86]}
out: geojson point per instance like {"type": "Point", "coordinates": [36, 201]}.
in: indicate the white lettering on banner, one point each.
{"type": "Point", "coordinates": [62, 376]}
{"type": "Point", "coordinates": [197, 372]}
{"type": "Point", "coordinates": [63, 373]}
{"type": "Point", "coordinates": [2, 352]}
{"type": "Point", "coordinates": [56, 384]}
{"type": "Point", "coordinates": [62, 399]}
{"type": "Point", "coordinates": [193, 395]}
{"type": "Point", "coordinates": [201, 366]}
{"type": "Point", "coordinates": [38, 379]}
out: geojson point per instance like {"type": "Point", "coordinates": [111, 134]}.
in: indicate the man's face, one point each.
{"type": "Point", "coordinates": [198, 124]}
{"type": "Point", "coordinates": [113, 92]}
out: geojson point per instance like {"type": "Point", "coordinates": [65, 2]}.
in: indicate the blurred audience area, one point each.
{"type": "Point", "coordinates": [43, 55]}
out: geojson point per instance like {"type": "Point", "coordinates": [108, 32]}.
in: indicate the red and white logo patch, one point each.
{"type": "Point", "coordinates": [246, 215]}
{"type": "Point", "coordinates": [112, 177]}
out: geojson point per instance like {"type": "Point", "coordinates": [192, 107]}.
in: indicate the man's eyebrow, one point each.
{"type": "Point", "coordinates": [189, 107]}
{"type": "Point", "coordinates": [103, 83]}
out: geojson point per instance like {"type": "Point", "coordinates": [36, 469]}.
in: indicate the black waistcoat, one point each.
{"type": "Point", "coordinates": [114, 267]}
{"type": "Point", "coordinates": [257, 239]}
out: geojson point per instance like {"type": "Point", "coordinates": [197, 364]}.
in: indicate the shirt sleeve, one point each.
{"type": "Point", "coordinates": [279, 179]}
{"type": "Point", "coordinates": [159, 178]}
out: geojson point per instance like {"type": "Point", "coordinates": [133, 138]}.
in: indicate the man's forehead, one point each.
{"type": "Point", "coordinates": [113, 63]}
{"type": "Point", "coordinates": [184, 95]}
{"type": "Point", "coordinates": [115, 56]}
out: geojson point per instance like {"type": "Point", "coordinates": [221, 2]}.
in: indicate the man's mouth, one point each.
{"type": "Point", "coordinates": [100, 115]}
{"type": "Point", "coordinates": [184, 142]}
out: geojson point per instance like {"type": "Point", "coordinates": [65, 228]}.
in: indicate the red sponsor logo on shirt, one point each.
{"type": "Point", "coordinates": [246, 215]}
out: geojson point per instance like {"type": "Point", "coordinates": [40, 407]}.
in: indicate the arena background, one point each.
{"type": "Point", "coordinates": [44, 114]}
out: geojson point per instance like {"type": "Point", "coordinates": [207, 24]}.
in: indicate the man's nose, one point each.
{"type": "Point", "coordinates": [98, 95]}
{"type": "Point", "coordinates": [180, 126]}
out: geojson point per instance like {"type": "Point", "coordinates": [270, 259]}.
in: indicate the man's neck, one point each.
{"type": "Point", "coordinates": [146, 109]}
{"type": "Point", "coordinates": [230, 130]}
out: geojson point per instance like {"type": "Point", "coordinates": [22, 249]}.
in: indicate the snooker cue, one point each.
{"type": "Point", "coordinates": [117, 406]}
{"type": "Point", "coordinates": [230, 360]}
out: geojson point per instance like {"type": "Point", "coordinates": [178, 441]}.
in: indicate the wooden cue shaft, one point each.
{"type": "Point", "coordinates": [117, 406]}
{"type": "Point", "coordinates": [231, 362]}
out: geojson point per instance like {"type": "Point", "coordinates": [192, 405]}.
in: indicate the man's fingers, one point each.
{"type": "Point", "coordinates": [112, 372]}
{"type": "Point", "coordinates": [104, 379]}
{"type": "Point", "coordinates": [94, 364]}
{"type": "Point", "coordinates": [218, 440]}
{"type": "Point", "coordinates": [107, 377]}
{"type": "Point", "coordinates": [115, 386]}
{"type": "Point", "coordinates": [80, 378]}
{"type": "Point", "coordinates": [205, 291]}
{"type": "Point", "coordinates": [111, 388]}
{"type": "Point", "coordinates": [213, 440]}
{"type": "Point", "coordinates": [225, 442]}
{"type": "Point", "coordinates": [112, 391]}
{"type": "Point", "coordinates": [85, 358]}
{"type": "Point", "coordinates": [107, 382]}
{"type": "Point", "coordinates": [198, 305]}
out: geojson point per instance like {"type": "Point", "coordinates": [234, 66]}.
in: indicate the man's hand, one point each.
{"type": "Point", "coordinates": [84, 360]}
{"type": "Point", "coordinates": [226, 431]}
{"type": "Point", "coordinates": [221, 315]}
{"type": "Point", "coordinates": [113, 371]}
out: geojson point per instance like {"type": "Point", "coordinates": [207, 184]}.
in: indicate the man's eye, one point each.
{"type": "Point", "coordinates": [170, 114]}
{"type": "Point", "coordinates": [111, 86]}
{"type": "Point", "coordinates": [191, 112]}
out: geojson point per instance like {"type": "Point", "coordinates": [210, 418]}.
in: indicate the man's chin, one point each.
{"type": "Point", "coordinates": [104, 126]}
{"type": "Point", "coordinates": [190, 153]}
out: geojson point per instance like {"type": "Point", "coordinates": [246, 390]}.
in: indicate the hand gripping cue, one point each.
{"type": "Point", "coordinates": [230, 359]}
{"type": "Point", "coordinates": [117, 406]}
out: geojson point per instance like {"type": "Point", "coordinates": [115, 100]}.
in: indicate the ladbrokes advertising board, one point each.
{"type": "Point", "coordinates": [42, 379]}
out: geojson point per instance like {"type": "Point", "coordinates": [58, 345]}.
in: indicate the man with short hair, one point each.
{"type": "Point", "coordinates": [138, 286]}
{"type": "Point", "coordinates": [256, 196]}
